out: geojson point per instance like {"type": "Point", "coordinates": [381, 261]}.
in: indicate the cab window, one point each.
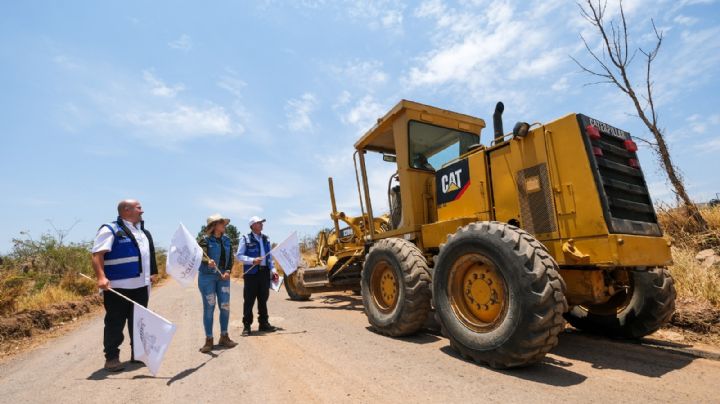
{"type": "Point", "coordinates": [432, 146]}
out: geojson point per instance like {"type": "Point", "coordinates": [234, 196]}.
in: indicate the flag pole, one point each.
{"type": "Point", "coordinates": [125, 297]}
{"type": "Point", "coordinates": [210, 259]}
{"type": "Point", "coordinates": [254, 265]}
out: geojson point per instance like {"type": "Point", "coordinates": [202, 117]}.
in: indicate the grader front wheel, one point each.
{"type": "Point", "coordinates": [294, 290]}
{"type": "Point", "coordinates": [498, 295]}
{"type": "Point", "coordinates": [396, 287]}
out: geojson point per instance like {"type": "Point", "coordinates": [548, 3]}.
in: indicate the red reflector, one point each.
{"type": "Point", "coordinates": [630, 146]}
{"type": "Point", "coordinates": [634, 163]}
{"type": "Point", "coordinates": [597, 151]}
{"type": "Point", "coordinates": [593, 132]}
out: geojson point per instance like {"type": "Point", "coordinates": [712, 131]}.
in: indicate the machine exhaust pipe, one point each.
{"type": "Point", "coordinates": [497, 120]}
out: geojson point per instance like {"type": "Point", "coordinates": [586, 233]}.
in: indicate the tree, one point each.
{"type": "Point", "coordinates": [613, 67]}
{"type": "Point", "coordinates": [230, 230]}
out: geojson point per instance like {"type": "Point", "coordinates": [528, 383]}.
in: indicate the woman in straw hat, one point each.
{"type": "Point", "coordinates": [214, 279]}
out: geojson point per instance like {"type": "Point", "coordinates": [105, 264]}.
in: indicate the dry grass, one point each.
{"type": "Point", "coordinates": [38, 274]}
{"type": "Point", "coordinates": [48, 296]}
{"type": "Point", "coordinates": [692, 280]}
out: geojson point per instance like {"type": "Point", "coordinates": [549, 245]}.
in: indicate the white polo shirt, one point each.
{"type": "Point", "coordinates": [103, 243]}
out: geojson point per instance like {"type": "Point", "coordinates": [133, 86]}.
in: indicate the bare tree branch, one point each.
{"type": "Point", "coordinates": [616, 48]}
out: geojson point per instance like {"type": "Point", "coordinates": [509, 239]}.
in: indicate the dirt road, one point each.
{"type": "Point", "coordinates": [326, 353]}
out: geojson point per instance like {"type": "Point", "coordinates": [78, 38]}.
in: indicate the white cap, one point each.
{"type": "Point", "coordinates": [256, 219]}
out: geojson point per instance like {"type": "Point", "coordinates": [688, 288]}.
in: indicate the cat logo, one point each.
{"type": "Point", "coordinates": [451, 181]}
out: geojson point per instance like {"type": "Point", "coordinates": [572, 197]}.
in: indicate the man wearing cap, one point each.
{"type": "Point", "coordinates": [258, 270]}
{"type": "Point", "coordinates": [123, 257]}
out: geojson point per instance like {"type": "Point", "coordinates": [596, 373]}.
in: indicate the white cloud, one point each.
{"type": "Point", "coordinates": [711, 146]}
{"type": "Point", "coordinates": [477, 48]}
{"type": "Point", "coordinates": [364, 113]}
{"type": "Point", "coordinates": [696, 123]}
{"type": "Point", "coordinates": [291, 218]}
{"type": "Point", "coordinates": [231, 83]}
{"type": "Point", "coordinates": [386, 14]}
{"type": "Point", "coordinates": [298, 112]}
{"type": "Point", "coordinates": [367, 75]}
{"type": "Point", "coordinates": [159, 88]}
{"type": "Point", "coordinates": [66, 62]}
{"type": "Point", "coordinates": [685, 20]}
{"type": "Point", "coordinates": [659, 191]}
{"type": "Point", "coordinates": [183, 43]}
{"type": "Point", "coordinates": [342, 99]}
{"type": "Point", "coordinates": [560, 85]}
{"type": "Point", "coordinates": [230, 206]}
{"type": "Point", "coordinates": [376, 14]}
{"type": "Point", "coordinates": [694, 63]}
{"type": "Point", "coordinates": [182, 122]}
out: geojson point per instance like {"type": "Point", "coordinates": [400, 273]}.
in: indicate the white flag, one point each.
{"type": "Point", "coordinates": [287, 254]}
{"type": "Point", "coordinates": [184, 257]}
{"type": "Point", "coordinates": [276, 285]}
{"type": "Point", "coordinates": [151, 337]}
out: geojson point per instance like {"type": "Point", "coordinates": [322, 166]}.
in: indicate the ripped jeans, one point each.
{"type": "Point", "coordinates": [214, 291]}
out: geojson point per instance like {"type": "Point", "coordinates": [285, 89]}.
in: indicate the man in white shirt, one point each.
{"type": "Point", "coordinates": [123, 257]}
{"type": "Point", "coordinates": [258, 269]}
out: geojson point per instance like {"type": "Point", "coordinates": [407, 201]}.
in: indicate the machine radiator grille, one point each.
{"type": "Point", "coordinates": [537, 210]}
{"type": "Point", "coordinates": [621, 183]}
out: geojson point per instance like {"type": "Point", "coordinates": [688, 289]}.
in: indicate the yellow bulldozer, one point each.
{"type": "Point", "coordinates": [504, 240]}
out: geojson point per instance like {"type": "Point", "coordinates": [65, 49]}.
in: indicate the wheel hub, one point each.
{"type": "Point", "coordinates": [385, 287]}
{"type": "Point", "coordinates": [477, 292]}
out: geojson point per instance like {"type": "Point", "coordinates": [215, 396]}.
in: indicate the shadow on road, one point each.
{"type": "Point", "coordinates": [601, 353]}
{"type": "Point", "coordinates": [419, 338]}
{"type": "Point", "coordinates": [550, 371]}
{"type": "Point", "coordinates": [102, 374]}
{"type": "Point", "coordinates": [337, 302]}
{"type": "Point", "coordinates": [187, 372]}
{"type": "Point", "coordinates": [626, 355]}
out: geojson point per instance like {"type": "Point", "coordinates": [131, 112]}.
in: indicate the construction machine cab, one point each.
{"type": "Point", "coordinates": [420, 139]}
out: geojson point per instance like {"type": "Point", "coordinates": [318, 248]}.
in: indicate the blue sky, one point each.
{"type": "Point", "coordinates": [245, 108]}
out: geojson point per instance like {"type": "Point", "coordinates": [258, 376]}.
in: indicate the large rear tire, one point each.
{"type": "Point", "coordinates": [643, 309]}
{"type": "Point", "coordinates": [396, 287]}
{"type": "Point", "coordinates": [498, 295]}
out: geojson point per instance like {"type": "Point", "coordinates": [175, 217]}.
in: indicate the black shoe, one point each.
{"type": "Point", "coordinates": [246, 331]}
{"type": "Point", "coordinates": [114, 365]}
{"type": "Point", "coordinates": [267, 328]}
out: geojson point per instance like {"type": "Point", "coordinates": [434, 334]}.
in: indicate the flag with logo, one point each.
{"type": "Point", "coordinates": [184, 257]}
{"type": "Point", "coordinates": [152, 335]}
{"type": "Point", "coordinates": [287, 254]}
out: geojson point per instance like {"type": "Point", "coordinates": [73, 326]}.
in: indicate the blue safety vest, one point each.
{"type": "Point", "coordinates": [213, 251]}
{"type": "Point", "coordinates": [123, 261]}
{"type": "Point", "coordinates": [252, 250]}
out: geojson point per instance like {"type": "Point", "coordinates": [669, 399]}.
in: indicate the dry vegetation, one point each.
{"type": "Point", "coordinates": [693, 280]}
{"type": "Point", "coordinates": [40, 285]}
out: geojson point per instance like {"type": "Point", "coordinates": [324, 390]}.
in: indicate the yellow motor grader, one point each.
{"type": "Point", "coordinates": [338, 257]}
{"type": "Point", "coordinates": [507, 239]}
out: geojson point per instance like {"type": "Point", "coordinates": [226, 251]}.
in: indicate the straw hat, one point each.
{"type": "Point", "coordinates": [216, 218]}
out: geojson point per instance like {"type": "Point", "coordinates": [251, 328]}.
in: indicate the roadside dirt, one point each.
{"type": "Point", "coordinates": [696, 321]}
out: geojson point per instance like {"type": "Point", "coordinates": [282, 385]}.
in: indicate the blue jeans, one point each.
{"type": "Point", "coordinates": [214, 290]}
